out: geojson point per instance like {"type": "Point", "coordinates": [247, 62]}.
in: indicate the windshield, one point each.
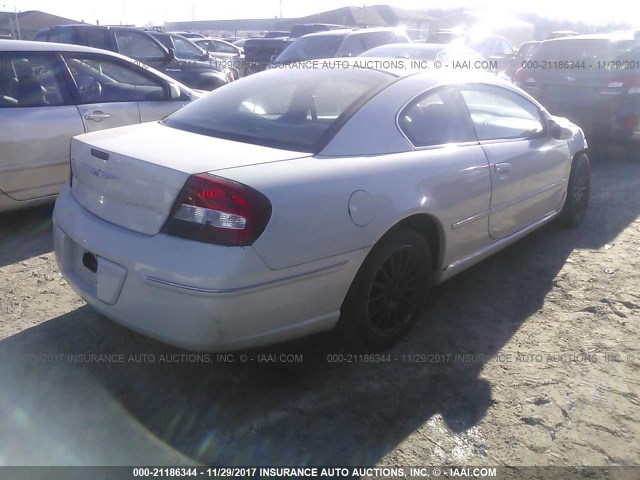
{"type": "Point", "coordinates": [281, 108]}
{"type": "Point", "coordinates": [310, 48]}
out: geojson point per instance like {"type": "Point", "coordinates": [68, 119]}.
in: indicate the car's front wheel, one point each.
{"type": "Point", "coordinates": [387, 294]}
{"type": "Point", "coordinates": [578, 193]}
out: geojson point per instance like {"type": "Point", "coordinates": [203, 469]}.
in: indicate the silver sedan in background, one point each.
{"type": "Point", "coordinates": [50, 92]}
{"type": "Point", "coordinates": [336, 197]}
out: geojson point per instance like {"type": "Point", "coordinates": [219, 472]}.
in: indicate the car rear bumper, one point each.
{"type": "Point", "coordinates": [194, 295]}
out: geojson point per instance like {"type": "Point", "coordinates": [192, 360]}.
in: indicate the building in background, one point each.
{"type": "Point", "coordinates": [25, 25]}
{"type": "Point", "coordinates": [365, 16]}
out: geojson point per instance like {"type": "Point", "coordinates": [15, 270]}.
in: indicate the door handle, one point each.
{"type": "Point", "coordinates": [96, 116]}
{"type": "Point", "coordinates": [502, 167]}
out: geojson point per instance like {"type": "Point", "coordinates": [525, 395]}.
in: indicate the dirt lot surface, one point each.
{"type": "Point", "coordinates": [530, 358]}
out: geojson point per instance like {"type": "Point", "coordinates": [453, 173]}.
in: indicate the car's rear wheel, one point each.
{"type": "Point", "coordinates": [578, 193]}
{"type": "Point", "coordinates": [387, 294]}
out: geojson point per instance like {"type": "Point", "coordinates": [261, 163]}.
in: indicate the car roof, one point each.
{"type": "Point", "coordinates": [422, 46]}
{"type": "Point", "coordinates": [349, 31]}
{"type": "Point", "coordinates": [89, 25]}
{"type": "Point", "coordinates": [33, 46]}
{"type": "Point", "coordinates": [398, 68]}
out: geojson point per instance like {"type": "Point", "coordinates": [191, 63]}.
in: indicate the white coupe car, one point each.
{"type": "Point", "coordinates": [297, 200]}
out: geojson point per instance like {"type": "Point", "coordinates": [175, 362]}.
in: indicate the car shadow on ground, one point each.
{"type": "Point", "coordinates": [166, 406]}
{"type": "Point", "coordinates": [25, 234]}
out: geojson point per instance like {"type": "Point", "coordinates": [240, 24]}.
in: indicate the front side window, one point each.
{"type": "Point", "coordinates": [138, 45]}
{"type": "Point", "coordinates": [498, 113]}
{"type": "Point", "coordinates": [186, 50]}
{"type": "Point", "coordinates": [280, 108]}
{"type": "Point", "coordinates": [103, 80]}
{"type": "Point", "coordinates": [224, 48]}
{"type": "Point", "coordinates": [434, 119]}
{"type": "Point", "coordinates": [30, 80]}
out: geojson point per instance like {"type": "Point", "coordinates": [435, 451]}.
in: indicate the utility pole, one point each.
{"type": "Point", "coordinates": [17, 22]}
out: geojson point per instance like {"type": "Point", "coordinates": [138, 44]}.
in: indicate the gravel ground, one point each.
{"type": "Point", "coordinates": [530, 358]}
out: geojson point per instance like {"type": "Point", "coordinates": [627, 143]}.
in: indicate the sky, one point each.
{"type": "Point", "coordinates": [156, 12]}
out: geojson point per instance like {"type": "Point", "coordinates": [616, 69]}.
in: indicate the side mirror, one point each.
{"type": "Point", "coordinates": [171, 55]}
{"type": "Point", "coordinates": [558, 132]}
{"type": "Point", "coordinates": [174, 91]}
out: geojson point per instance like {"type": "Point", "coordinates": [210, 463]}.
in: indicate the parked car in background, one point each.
{"type": "Point", "coordinates": [260, 52]}
{"type": "Point", "coordinates": [594, 80]}
{"type": "Point", "coordinates": [231, 55]}
{"type": "Point", "coordinates": [427, 51]}
{"type": "Point", "coordinates": [50, 92]}
{"type": "Point", "coordinates": [491, 47]}
{"type": "Point", "coordinates": [139, 45]}
{"type": "Point", "coordinates": [446, 35]}
{"type": "Point", "coordinates": [524, 53]}
{"type": "Point", "coordinates": [419, 177]}
{"type": "Point", "coordinates": [193, 56]}
{"type": "Point", "coordinates": [339, 43]}
{"type": "Point", "coordinates": [496, 48]}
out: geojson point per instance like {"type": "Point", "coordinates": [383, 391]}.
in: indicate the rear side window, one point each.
{"type": "Point", "coordinates": [31, 80]}
{"type": "Point", "coordinates": [281, 108]}
{"type": "Point", "coordinates": [434, 119]}
{"type": "Point", "coordinates": [58, 35]}
{"type": "Point", "coordinates": [498, 113]}
{"type": "Point", "coordinates": [65, 35]}
{"type": "Point", "coordinates": [93, 37]}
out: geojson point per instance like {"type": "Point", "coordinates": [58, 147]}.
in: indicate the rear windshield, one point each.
{"type": "Point", "coordinates": [284, 108]}
{"type": "Point", "coordinates": [311, 48]}
{"type": "Point", "coordinates": [591, 51]}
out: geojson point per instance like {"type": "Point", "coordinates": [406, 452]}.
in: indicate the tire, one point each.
{"type": "Point", "coordinates": [388, 292]}
{"type": "Point", "coordinates": [578, 193]}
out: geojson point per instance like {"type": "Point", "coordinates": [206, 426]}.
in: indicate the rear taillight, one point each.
{"type": "Point", "coordinates": [524, 77]}
{"type": "Point", "coordinates": [630, 122]}
{"type": "Point", "coordinates": [212, 209]}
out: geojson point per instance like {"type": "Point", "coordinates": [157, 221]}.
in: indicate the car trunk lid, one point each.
{"type": "Point", "coordinates": [131, 176]}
